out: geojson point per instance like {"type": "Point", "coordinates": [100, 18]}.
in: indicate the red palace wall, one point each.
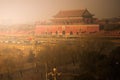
{"type": "Point", "coordinates": [54, 29]}
{"type": "Point", "coordinates": [68, 29]}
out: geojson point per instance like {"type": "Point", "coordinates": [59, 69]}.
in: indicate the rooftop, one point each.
{"type": "Point", "coordinates": [72, 13]}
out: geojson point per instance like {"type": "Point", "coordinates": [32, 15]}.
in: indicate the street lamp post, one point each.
{"type": "Point", "coordinates": [46, 76]}
{"type": "Point", "coordinates": [54, 74]}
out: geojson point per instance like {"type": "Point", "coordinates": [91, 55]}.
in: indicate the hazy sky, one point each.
{"type": "Point", "coordinates": [25, 11]}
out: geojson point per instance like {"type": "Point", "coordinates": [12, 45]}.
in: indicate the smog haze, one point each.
{"type": "Point", "coordinates": [30, 11]}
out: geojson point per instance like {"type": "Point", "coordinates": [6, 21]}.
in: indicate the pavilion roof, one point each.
{"type": "Point", "coordinates": [71, 13]}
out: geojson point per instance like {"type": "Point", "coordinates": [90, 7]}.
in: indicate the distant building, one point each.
{"type": "Point", "coordinates": [69, 22]}
{"type": "Point", "coordinates": [115, 20]}
{"type": "Point", "coordinates": [110, 24]}
{"type": "Point", "coordinates": [70, 17]}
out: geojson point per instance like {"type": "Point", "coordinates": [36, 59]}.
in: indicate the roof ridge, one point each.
{"type": "Point", "coordinates": [73, 10]}
{"type": "Point", "coordinates": [67, 13]}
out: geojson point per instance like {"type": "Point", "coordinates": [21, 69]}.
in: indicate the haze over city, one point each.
{"type": "Point", "coordinates": [59, 39]}
{"type": "Point", "coordinates": [29, 11]}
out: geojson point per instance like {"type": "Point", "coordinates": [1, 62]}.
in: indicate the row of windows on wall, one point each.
{"type": "Point", "coordinates": [86, 20]}
{"type": "Point", "coordinates": [70, 33]}
{"type": "Point", "coordinates": [64, 33]}
{"type": "Point", "coordinates": [69, 22]}
{"type": "Point", "coordinates": [77, 33]}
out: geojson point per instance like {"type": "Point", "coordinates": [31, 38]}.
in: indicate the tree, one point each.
{"type": "Point", "coordinates": [115, 64]}
{"type": "Point", "coordinates": [31, 56]}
